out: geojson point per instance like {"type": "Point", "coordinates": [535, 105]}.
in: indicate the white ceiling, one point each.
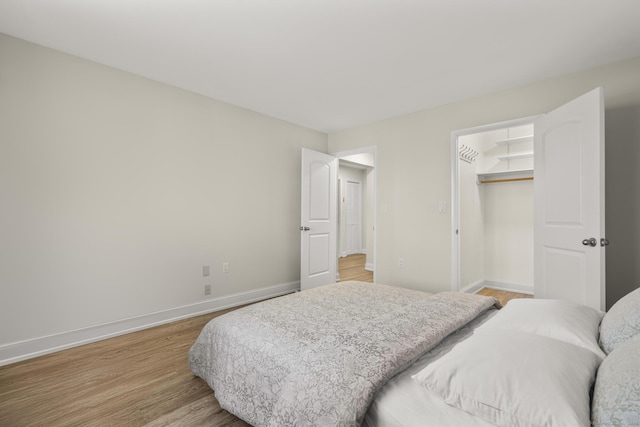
{"type": "Point", "coordinates": [335, 64]}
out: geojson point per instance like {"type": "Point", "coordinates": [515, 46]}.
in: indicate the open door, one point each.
{"type": "Point", "coordinates": [318, 229]}
{"type": "Point", "coordinates": [569, 239]}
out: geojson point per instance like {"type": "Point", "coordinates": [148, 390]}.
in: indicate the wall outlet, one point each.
{"type": "Point", "coordinates": [401, 262]}
{"type": "Point", "coordinates": [225, 267]}
{"type": "Point", "coordinates": [207, 289]}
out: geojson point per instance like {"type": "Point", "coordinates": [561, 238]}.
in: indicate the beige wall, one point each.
{"type": "Point", "coordinates": [508, 227]}
{"type": "Point", "coordinates": [414, 173]}
{"type": "Point", "coordinates": [472, 225]}
{"type": "Point", "coordinates": [115, 191]}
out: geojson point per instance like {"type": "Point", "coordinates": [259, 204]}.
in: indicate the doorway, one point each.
{"type": "Point", "coordinates": [492, 207]}
{"type": "Point", "coordinates": [319, 240]}
{"type": "Point", "coordinates": [568, 200]}
{"type": "Point", "coordinates": [356, 214]}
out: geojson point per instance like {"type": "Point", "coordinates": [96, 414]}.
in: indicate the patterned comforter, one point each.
{"type": "Point", "coordinates": [319, 357]}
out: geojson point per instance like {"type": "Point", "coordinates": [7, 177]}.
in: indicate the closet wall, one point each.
{"type": "Point", "coordinates": [496, 217]}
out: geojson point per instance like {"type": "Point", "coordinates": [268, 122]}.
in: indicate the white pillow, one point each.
{"type": "Point", "coordinates": [511, 378]}
{"type": "Point", "coordinates": [562, 320]}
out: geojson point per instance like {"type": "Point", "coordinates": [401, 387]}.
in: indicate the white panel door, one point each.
{"type": "Point", "coordinates": [569, 202]}
{"type": "Point", "coordinates": [318, 248]}
{"type": "Point", "coordinates": [354, 218]}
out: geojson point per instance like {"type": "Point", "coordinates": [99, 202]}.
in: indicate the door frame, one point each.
{"type": "Point", "coordinates": [455, 188]}
{"type": "Point", "coordinates": [374, 192]}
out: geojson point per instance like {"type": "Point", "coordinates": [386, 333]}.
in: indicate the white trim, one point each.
{"type": "Point", "coordinates": [476, 287]}
{"type": "Point", "coordinates": [369, 266]}
{"type": "Point", "coordinates": [22, 350]}
{"type": "Point", "coordinates": [509, 287]}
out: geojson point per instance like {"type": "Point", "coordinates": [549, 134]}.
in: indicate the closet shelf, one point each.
{"type": "Point", "coordinates": [527, 138]}
{"type": "Point", "coordinates": [505, 176]}
{"type": "Point", "coordinates": [516, 156]}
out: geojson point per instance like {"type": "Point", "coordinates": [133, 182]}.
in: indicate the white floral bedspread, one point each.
{"type": "Point", "coordinates": [318, 357]}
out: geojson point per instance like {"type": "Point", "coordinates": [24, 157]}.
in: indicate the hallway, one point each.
{"type": "Point", "coordinates": [352, 268]}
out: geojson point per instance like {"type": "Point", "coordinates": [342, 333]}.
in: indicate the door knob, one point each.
{"type": "Point", "coordinates": [604, 242]}
{"type": "Point", "coordinates": [590, 242]}
{"type": "Point", "coordinates": [304, 228]}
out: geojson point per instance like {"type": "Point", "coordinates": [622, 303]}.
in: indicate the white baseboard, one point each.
{"type": "Point", "coordinates": [509, 287]}
{"type": "Point", "coordinates": [473, 287]}
{"type": "Point", "coordinates": [22, 350]}
{"type": "Point", "coordinates": [369, 266]}
{"type": "Point", "coordinates": [501, 286]}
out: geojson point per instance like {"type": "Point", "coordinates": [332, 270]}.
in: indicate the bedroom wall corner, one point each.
{"type": "Point", "coordinates": [117, 190]}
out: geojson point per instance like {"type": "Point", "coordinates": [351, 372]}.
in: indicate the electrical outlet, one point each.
{"type": "Point", "coordinates": [401, 262]}
{"type": "Point", "coordinates": [207, 289]}
{"type": "Point", "coordinates": [225, 267]}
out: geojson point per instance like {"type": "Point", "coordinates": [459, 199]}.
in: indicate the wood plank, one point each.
{"type": "Point", "coordinates": [351, 267]}
{"type": "Point", "coordinates": [503, 296]}
{"type": "Point", "coordinates": [131, 380]}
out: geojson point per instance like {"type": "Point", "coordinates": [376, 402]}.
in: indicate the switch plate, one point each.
{"type": "Point", "coordinates": [205, 271]}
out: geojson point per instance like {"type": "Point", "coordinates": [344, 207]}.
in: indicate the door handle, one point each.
{"type": "Point", "coordinates": [304, 228]}
{"type": "Point", "coordinates": [604, 242]}
{"type": "Point", "coordinates": [590, 242]}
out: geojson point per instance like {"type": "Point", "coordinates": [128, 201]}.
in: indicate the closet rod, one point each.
{"type": "Point", "coordinates": [491, 181]}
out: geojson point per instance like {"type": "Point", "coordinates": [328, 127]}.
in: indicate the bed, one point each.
{"type": "Point", "coordinates": [354, 353]}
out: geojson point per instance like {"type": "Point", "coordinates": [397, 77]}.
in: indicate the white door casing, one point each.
{"type": "Point", "coordinates": [569, 202]}
{"type": "Point", "coordinates": [318, 229]}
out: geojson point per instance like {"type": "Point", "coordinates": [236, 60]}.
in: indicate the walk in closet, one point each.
{"type": "Point", "coordinates": [496, 209]}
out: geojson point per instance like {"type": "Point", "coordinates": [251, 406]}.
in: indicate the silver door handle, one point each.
{"type": "Point", "coordinates": [604, 242]}
{"type": "Point", "coordinates": [304, 228]}
{"type": "Point", "coordinates": [590, 242]}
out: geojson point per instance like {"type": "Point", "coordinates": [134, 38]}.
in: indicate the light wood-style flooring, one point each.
{"type": "Point", "coordinates": [503, 296]}
{"type": "Point", "coordinates": [138, 379]}
{"type": "Point", "coordinates": [351, 267]}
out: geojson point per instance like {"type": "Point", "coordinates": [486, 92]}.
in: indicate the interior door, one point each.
{"type": "Point", "coordinates": [318, 229]}
{"type": "Point", "coordinates": [569, 244]}
{"type": "Point", "coordinates": [354, 218]}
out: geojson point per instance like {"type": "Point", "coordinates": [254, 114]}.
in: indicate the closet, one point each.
{"type": "Point", "coordinates": [495, 224]}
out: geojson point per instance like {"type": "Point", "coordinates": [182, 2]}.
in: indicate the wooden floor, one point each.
{"type": "Point", "coordinates": [138, 379]}
{"type": "Point", "coordinates": [352, 268]}
{"type": "Point", "coordinates": [503, 296]}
